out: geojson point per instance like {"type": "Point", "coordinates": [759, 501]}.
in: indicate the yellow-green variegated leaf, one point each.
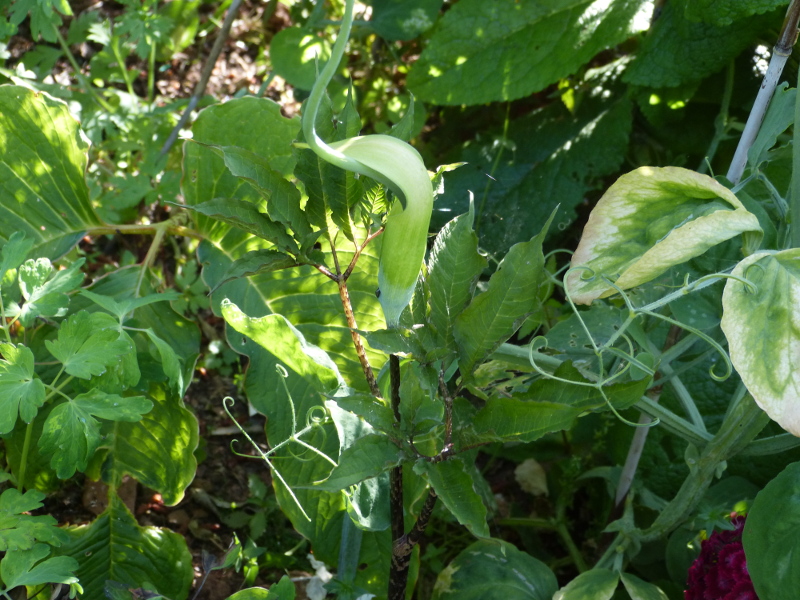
{"type": "Point", "coordinates": [762, 325]}
{"type": "Point", "coordinates": [650, 220]}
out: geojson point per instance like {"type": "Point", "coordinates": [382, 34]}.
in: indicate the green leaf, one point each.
{"type": "Point", "coordinates": [21, 391]}
{"type": "Point", "coordinates": [677, 51]}
{"type": "Point", "coordinates": [138, 447]}
{"type": "Point", "coordinates": [503, 50]}
{"type": "Point", "coordinates": [454, 485]}
{"type": "Point", "coordinates": [650, 220]}
{"type": "Point", "coordinates": [641, 590]}
{"type": "Point", "coordinates": [283, 590]}
{"type": "Point", "coordinates": [403, 20]}
{"type": "Point", "coordinates": [293, 52]}
{"type": "Point", "coordinates": [283, 198]}
{"type": "Point", "coordinates": [531, 172]}
{"type": "Point", "coordinates": [245, 215]}
{"type": "Point", "coordinates": [72, 434]}
{"type": "Point", "coordinates": [83, 348]}
{"type": "Point", "coordinates": [14, 252]}
{"type": "Point", "coordinates": [597, 584]}
{"type": "Point", "coordinates": [256, 262]}
{"type": "Point", "coordinates": [42, 173]}
{"type": "Point", "coordinates": [114, 547]}
{"type": "Point", "coordinates": [120, 308]}
{"type": "Point", "coordinates": [20, 531]}
{"type": "Point", "coordinates": [761, 325]}
{"type": "Point", "coordinates": [725, 12]}
{"type": "Point", "coordinates": [373, 410]}
{"type": "Point", "coordinates": [44, 290]}
{"type": "Point", "coordinates": [770, 543]}
{"type": "Point", "coordinates": [495, 570]}
{"type": "Point", "coordinates": [169, 361]}
{"type": "Point", "coordinates": [20, 567]}
{"type": "Point", "coordinates": [779, 117]}
{"type": "Point", "coordinates": [368, 457]}
{"type": "Point", "coordinates": [454, 266]}
{"type": "Point", "coordinates": [494, 315]}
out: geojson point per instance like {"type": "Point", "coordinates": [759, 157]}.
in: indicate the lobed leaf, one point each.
{"type": "Point", "coordinates": [21, 391]}
{"type": "Point", "coordinates": [30, 567]}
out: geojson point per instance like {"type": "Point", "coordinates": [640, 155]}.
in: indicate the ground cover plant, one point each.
{"type": "Point", "coordinates": [512, 331]}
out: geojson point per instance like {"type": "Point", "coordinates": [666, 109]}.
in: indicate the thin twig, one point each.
{"type": "Point", "coordinates": [780, 54]}
{"type": "Point", "coordinates": [397, 575]}
{"type": "Point", "coordinates": [359, 250]}
{"type": "Point", "coordinates": [206, 75]}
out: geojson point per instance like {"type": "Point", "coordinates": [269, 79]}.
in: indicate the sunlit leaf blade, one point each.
{"type": "Point", "coordinates": [368, 457]}
{"type": "Point", "coordinates": [597, 584]}
{"type": "Point", "coordinates": [20, 531]}
{"type": "Point", "coordinates": [138, 447]}
{"type": "Point", "coordinates": [42, 172]}
{"type": "Point", "coordinates": [72, 433]}
{"type": "Point", "coordinates": [494, 315]}
{"type": "Point", "coordinates": [14, 252]}
{"type": "Point", "coordinates": [650, 220]}
{"type": "Point", "coordinates": [21, 392]}
{"type": "Point", "coordinates": [255, 262]}
{"type": "Point", "coordinates": [26, 567]}
{"type": "Point", "coordinates": [495, 570]}
{"type": "Point", "coordinates": [762, 325]}
{"type": "Point", "coordinates": [641, 590]}
{"type": "Point", "coordinates": [453, 269]}
{"type": "Point", "coordinates": [453, 485]}
{"type": "Point", "coordinates": [83, 349]}
{"type": "Point", "coordinates": [503, 50]}
{"type": "Point", "coordinates": [114, 547]}
{"type": "Point", "coordinates": [44, 289]}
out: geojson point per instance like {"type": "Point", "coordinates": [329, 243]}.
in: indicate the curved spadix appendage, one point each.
{"type": "Point", "coordinates": [398, 166]}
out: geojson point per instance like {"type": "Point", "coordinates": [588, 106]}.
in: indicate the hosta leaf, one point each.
{"type": "Point", "coordinates": [454, 486]}
{"type": "Point", "coordinates": [72, 433]}
{"type": "Point", "coordinates": [138, 447]}
{"type": "Point", "coordinates": [44, 290]}
{"type": "Point", "coordinates": [725, 12]}
{"type": "Point", "coordinates": [26, 567]}
{"type": "Point", "coordinates": [494, 315]}
{"type": "Point", "coordinates": [597, 584]}
{"type": "Point", "coordinates": [650, 220]}
{"type": "Point", "coordinates": [495, 570]}
{"type": "Point", "coordinates": [503, 50]}
{"type": "Point", "coordinates": [114, 547]}
{"type": "Point", "coordinates": [21, 392]}
{"type": "Point", "coordinates": [403, 19]}
{"type": "Point", "coordinates": [762, 325]}
{"type": "Point", "coordinates": [20, 531]}
{"type": "Point", "coordinates": [83, 349]}
{"type": "Point", "coordinates": [42, 173]}
{"type": "Point", "coordinates": [368, 457]}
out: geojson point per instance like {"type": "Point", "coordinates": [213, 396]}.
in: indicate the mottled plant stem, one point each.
{"type": "Point", "coordinates": [403, 546]}
{"type": "Point", "coordinates": [398, 576]}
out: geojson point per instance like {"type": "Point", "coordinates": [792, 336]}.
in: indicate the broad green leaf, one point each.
{"type": "Point", "coordinates": [494, 315]}
{"type": "Point", "coordinates": [38, 473]}
{"type": "Point", "coordinates": [293, 52]}
{"type": "Point", "coordinates": [779, 117]}
{"type": "Point", "coordinates": [368, 504]}
{"type": "Point", "coordinates": [14, 252]}
{"type": "Point", "coordinates": [762, 328]}
{"type": "Point", "coordinates": [138, 448]}
{"type": "Point", "coordinates": [114, 547]}
{"type": "Point", "coordinates": [44, 290]}
{"type": "Point", "coordinates": [256, 262]}
{"type": "Point", "coordinates": [454, 266]}
{"type": "Point", "coordinates": [283, 590]}
{"type": "Point", "coordinates": [650, 220]}
{"type": "Point", "coordinates": [641, 590]}
{"type": "Point", "coordinates": [770, 543]}
{"type": "Point", "coordinates": [368, 457]}
{"type": "Point", "coordinates": [597, 584]}
{"type": "Point", "coordinates": [83, 348]}
{"type": "Point", "coordinates": [169, 361]}
{"type": "Point", "coordinates": [20, 531]}
{"type": "Point", "coordinates": [72, 433]}
{"type": "Point", "coordinates": [725, 12]}
{"type": "Point", "coordinates": [373, 410]}
{"type": "Point", "coordinates": [403, 19]}
{"type": "Point", "coordinates": [245, 215]}
{"type": "Point", "coordinates": [454, 486]}
{"type": "Point", "coordinates": [26, 567]}
{"type": "Point", "coordinates": [42, 173]}
{"type": "Point", "coordinates": [495, 570]}
{"type": "Point", "coordinates": [120, 308]}
{"type": "Point", "coordinates": [677, 51]}
{"type": "Point", "coordinates": [533, 173]}
{"type": "Point", "coordinates": [503, 50]}
{"type": "Point", "coordinates": [21, 391]}
{"type": "Point", "coordinates": [282, 197]}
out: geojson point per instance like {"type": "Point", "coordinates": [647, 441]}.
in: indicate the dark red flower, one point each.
{"type": "Point", "coordinates": [720, 572]}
